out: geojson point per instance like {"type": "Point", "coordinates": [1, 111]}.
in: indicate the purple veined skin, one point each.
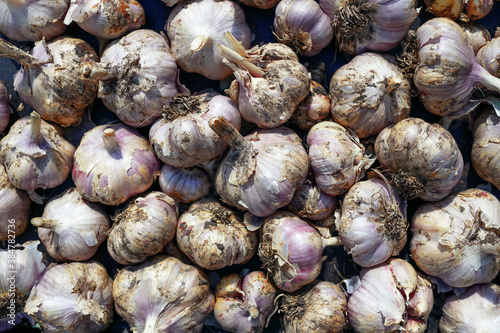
{"type": "Point", "coordinates": [184, 184]}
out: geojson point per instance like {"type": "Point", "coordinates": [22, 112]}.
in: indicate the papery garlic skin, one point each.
{"type": "Point", "coordinates": [319, 308]}
{"type": "Point", "coordinates": [195, 28]}
{"type": "Point", "coordinates": [477, 9]}
{"type": "Point", "coordinates": [72, 297]}
{"type": "Point", "coordinates": [5, 109]}
{"type": "Point", "coordinates": [313, 109]}
{"type": "Point", "coordinates": [244, 303]}
{"type": "Point", "coordinates": [337, 157]}
{"type": "Point", "coordinates": [113, 163]}
{"type": "Point", "coordinates": [32, 20]}
{"type": "Point", "coordinates": [184, 185]}
{"type": "Point", "coordinates": [143, 228]}
{"type": "Point", "coordinates": [145, 77]}
{"type": "Point", "coordinates": [72, 228]}
{"type": "Point", "coordinates": [373, 222]}
{"type": "Point", "coordinates": [485, 153]}
{"type": "Point", "coordinates": [302, 25]}
{"type": "Point", "coordinates": [213, 236]}
{"type": "Point", "coordinates": [369, 93]}
{"type": "Point", "coordinates": [14, 208]}
{"type": "Point", "coordinates": [311, 203]}
{"type": "Point", "coordinates": [383, 301]}
{"type": "Point", "coordinates": [489, 57]}
{"type": "Point", "coordinates": [447, 72]}
{"type": "Point", "coordinates": [106, 19]}
{"type": "Point", "coordinates": [163, 295]}
{"type": "Point", "coordinates": [476, 310]}
{"type": "Point", "coordinates": [478, 36]}
{"type": "Point", "coordinates": [182, 137]}
{"type": "Point", "coordinates": [375, 25]}
{"type": "Point", "coordinates": [423, 159]}
{"type": "Point", "coordinates": [457, 239]}
{"type": "Point", "coordinates": [36, 155]}
{"type": "Point", "coordinates": [25, 262]}
{"type": "Point", "coordinates": [445, 8]}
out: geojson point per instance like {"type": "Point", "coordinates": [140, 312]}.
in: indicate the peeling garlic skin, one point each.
{"type": "Point", "coordinates": [106, 19]}
{"type": "Point", "coordinates": [368, 94]}
{"type": "Point", "coordinates": [311, 203]}
{"type": "Point", "coordinates": [485, 154]}
{"type": "Point", "coordinates": [213, 236]}
{"type": "Point", "coordinates": [458, 238]}
{"type": "Point", "coordinates": [488, 56]}
{"type": "Point", "coordinates": [313, 109]}
{"type": "Point", "coordinates": [32, 20]}
{"type": "Point", "coordinates": [243, 303]}
{"type": "Point", "coordinates": [478, 36]}
{"type": "Point", "coordinates": [195, 28]}
{"type": "Point", "coordinates": [5, 109]}
{"type": "Point", "coordinates": [163, 295]}
{"type": "Point", "coordinates": [476, 310]}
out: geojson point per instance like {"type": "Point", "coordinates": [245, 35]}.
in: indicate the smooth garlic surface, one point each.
{"type": "Point", "coordinates": [184, 184]}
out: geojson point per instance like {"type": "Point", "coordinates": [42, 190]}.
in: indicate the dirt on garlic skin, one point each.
{"type": "Point", "coordinates": [5, 301]}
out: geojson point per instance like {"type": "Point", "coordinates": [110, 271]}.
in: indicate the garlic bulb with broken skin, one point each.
{"type": "Point", "coordinates": [458, 239]}
{"type": "Point", "coordinates": [163, 295]}
{"type": "Point", "coordinates": [36, 155]}
{"type": "Point", "coordinates": [5, 109]}
{"type": "Point", "coordinates": [485, 155]}
{"type": "Point", "coordinates": [72, 297]}
{"type": "Point", "coordinates": [72, 228]}
{"type": "Point", "coordinates": [313, 109]}
{"type": "Point", "coordinates": [311, 203]}
{"type": "Point", "coordinates": [488, 56]}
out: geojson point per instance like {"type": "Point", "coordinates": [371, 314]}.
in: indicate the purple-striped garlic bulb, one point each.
{"type": "Point", "coordinates": [485, 153]}
{"type": "Point", "coordinates": [369, 93]}
{"type": "Point", "coordinates": [54, 78]}
{"type": "Point", "coordinates": [310, 202]}
{"type": "Point", "coordinates": [113, 163]}
{"type": "Point", "coordinates": [337, 157]}
{"type": "Point", "coordinates": [243, 303]}
{"type": "Point", "coordinates": [182, 137]}
{"type": "Point", "coordinates": [194, 35]}
{"type": "Point", "coordinates": [163, 295]}
{"type": "Point", "coordinates": [488, 56]}
{"type": "Point", "coordinates": [106, 19]}
{"type": "Point", "coordinates": [262, 170]}
{"type": "Point", "coordinates": [302, 25]}
{"type": "Point", "coordinates": [71, 228]}
{"type": "Point", "coordinates": [143, 228]}
{"type": "Point", "coordinates": [390, 297]}
{"type": "Point", "coordinates": [139, 77]}
{"type": "Point", "coordinates": [373, 222]}
{"type": "Point", "coordinates": [184, 184]}
{"type": "Point", "coordinates": [36, 155]}
{"type": "Point", "coordinates": [5, 109]}
{"type": "Point", "coordinates": [422, 159]}
{"type": "Point", "coordinates": [458, 239]}
{"type": "Point", "coordinates": [213, 236]}
{"type": "Point", "coordinates": [313, 109]}
{"type": "Point", "coordinates": [291, 250]}
{"type": "Point", "coordinates": [32, 20]}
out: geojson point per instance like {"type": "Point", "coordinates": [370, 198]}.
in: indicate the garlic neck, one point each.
{"type": "Point", "coordinates": [110, 141]}
{"type": "Point", "coordinates": [198, 43]}
{"type": "Point", "coordinates": [41, 222]}
{"type": "Point", "coordinates": [228, 133]}
{"type": "Point", "coordinates": [150, 325]}
{"type": "Point", "coordinates": [13, 52]}
{"type": "Point", "coordinates": [486, 79]}
{"type": "Point", "coordinates": [36, 128]}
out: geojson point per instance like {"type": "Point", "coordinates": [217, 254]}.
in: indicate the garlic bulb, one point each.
{"type": "Point", "coordinates": [477, 9]}
{"type": "Point", "coordinates": [369, 93]}
{"type": "Point", "coordinates": [451, 9]}
{"type": "Point", "coordinates": [489, 57]}
{"type": "Point", "coordinates": [182, 137]}
{"type": "Point", "coordinates": [73, 297]}
{"type": "Point", "coordinates": [485, 155]}
{"type": "Point", "coordinates": [458, 239]}
{"type": "Point", "coordinates": [14, 208]}
{"type": "Point", "coordinates": [163, 295]}
{"type": "Point", "coordinates": [195, 28]}
{"type": "Point", "coordinates": [302, 25]}
{"type": "Point", "coordinates": [320, 308]}
{"type": "Point", "coordinates": [262, 4]}
{"type": "Point", "coordinates": [391, 297]}
{"type": "Point", "coordinates": [311, 203]}
{"type": "Point", "coordinates": [32, 20]}
{"type": "Point", "coordinates": [213, 236]}
{"type": "Point", "coordinates": [422, 159]}
{"type": "Point", "coordinates": [337, 157]}
{"type": "Point", "coordinates": [267, 96]}
{"type": "Point", "coordinates": [262, 170]}
{"type": "Point", "coordinates": [5, 109]}
{"type": "Point", "coordinates": [54, 79]}
{"type": "Point", "coordinates": [20, 267]}
{"type": "Point", "coordinates": [478, 35]}
{"type": "Point", "coordinates": [313, 109]}
{"type": "Point", "coordinates": [106, 19]}
{"type": "Point", "coordinates": [291, 250]}
{"type": "Point", "coordinates": [184, 185]}
{"type": "Point", "coordinates": [373, 223]}
{"type": "Point", "coordinates": [373, 25]}
{"type": "Point", "coordinates": [244, 303]}
{"type": "Point", "coordinates": [140, 76]}
{"type": "Point", "coordinates": [448, 73]}
{"type": "Point", "coordinates": [143, 228]}
{"type": "Point", "coordinates": [113, 163]}
{"type": "Point", "coordinates": [72, 228]}
{"type": "Point", "coordinates": [476, 310]}
{"type": "Point", "coordinates": [36, 155]}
